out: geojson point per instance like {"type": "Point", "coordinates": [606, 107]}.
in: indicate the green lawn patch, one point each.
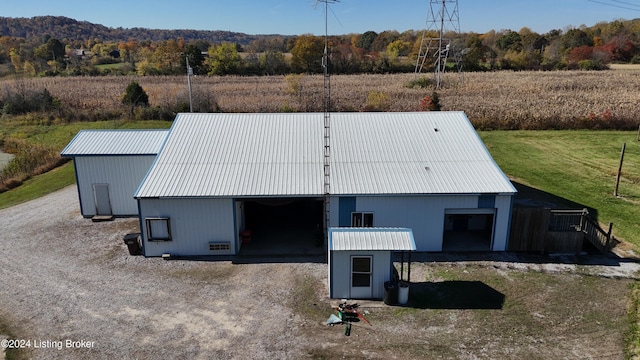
{"type": "Point", "coordinates": [579, 166]}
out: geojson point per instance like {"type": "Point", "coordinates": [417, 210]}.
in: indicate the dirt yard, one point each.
{"type": "Point", "coordinates": [69, 281]}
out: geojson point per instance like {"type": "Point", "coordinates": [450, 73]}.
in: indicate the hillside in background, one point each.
{"type": "Point", "coordinates": [61, 27]}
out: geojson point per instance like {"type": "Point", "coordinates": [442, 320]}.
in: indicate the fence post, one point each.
{"type": "Point", "coordinates": [609, 234]}
{"type": "Point", "coordinates": [624, 146]}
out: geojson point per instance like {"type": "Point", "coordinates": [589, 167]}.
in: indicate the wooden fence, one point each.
{"type": "Point", "coordinates": [545, 230]}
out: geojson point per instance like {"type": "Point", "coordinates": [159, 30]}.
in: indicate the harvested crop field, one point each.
{"type": "Point", "coordinates": [66, 278]}
{"type": "Point", "coordinates": [492, 100]}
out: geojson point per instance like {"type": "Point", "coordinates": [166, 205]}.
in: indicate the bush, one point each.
{"type": "Point", "coordinates": [430, 103]}
{"type": "Point", "coordinates": [591, 65]}
{"type": "Point", "coordinates": [30, 159]}
{"type": "Point", "coordinates": [15, 103]}
{"type": "Point", "coordinates": [420, 83]}
{"type": "Point", "coordinates": [378, 101]}
{"type": "Point", "coordinates": [135, 95]}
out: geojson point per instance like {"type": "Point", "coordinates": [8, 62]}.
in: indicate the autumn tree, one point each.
{"type": "Point", "coordinates": [575, 38]}
{"type": "Point", "coordinates": [196, 59]}
{"type": "Point", "coordinates": [224, 59]}
{"type": "Point", "coordinates": [510, 40]}
{"type": "Point", "coordinates": [306, 55]}
{"type": "Point", "coordinates": [366, 39]}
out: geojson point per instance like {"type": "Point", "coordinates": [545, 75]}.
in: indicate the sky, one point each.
{"type": "Point", "coordinates": [295, 17]}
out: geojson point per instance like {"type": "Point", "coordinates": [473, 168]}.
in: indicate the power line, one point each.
{"type": "Point", "coordinates": [617, 6]}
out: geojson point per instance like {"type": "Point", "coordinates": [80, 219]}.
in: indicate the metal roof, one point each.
{"type": "Point", "coordinates": [115, 142]}
{"type": "Point", "coordinates": [352, 239]}
{"type": "Point", "coordinates": [411, 153]}
{"type": "Point", "coordinates": [253, 155]}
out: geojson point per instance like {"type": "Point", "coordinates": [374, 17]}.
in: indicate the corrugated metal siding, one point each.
{"type": "Point", "coordinates": [351, 239]}
{"type": "Point", "coordinates": [502, 222]}
{"type": "Point", "coordinates": [116, 142]}
{"type": "Point", "coordinates": [194, 224]}
{"type": "Point", "coordinates": [411, 153]}
{"type": "Point", "coordinates": [340, 273]}
{"type": "Point", "coordinates": [239, 155]}
{"type": "Point", "coordinates": [424, 215]}
{"type": "Point", "coordinates": [122, 173]}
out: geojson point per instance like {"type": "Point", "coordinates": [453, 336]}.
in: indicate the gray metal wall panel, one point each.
{"type": "Point", "coordinates": [194, 224]}
{"type": "Point", "coordinates": [423, 214]}
{"type": "Point", "coordinates": [502, 220]}
{"type": "Point", "coordinates": [122, 173]}
{"type": "Point", "coordinates": [340, 281]}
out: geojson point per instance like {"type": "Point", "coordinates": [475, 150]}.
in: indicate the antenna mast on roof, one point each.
{"type": "Point", "coordinates": [327, 121]}
{"type": "Point", "coordinates": [440, 38]}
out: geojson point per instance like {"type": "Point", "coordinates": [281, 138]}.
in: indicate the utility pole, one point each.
{"type": "Point", "coordinates": [189, 73]}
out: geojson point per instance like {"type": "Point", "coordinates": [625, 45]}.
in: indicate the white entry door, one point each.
{"type": "Point", "coordinates": [103, 202]}
{"type": "Point", "coordinates": [361, 277]}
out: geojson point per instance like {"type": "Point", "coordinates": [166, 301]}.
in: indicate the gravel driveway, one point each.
{"type": "Point", "coordinates": [70, 283]}
{"type": "Point", "coordinates": [67, 278]}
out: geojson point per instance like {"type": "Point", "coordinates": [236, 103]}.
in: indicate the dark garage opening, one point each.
{"type": "Point", "coordinates": [467, 232]}
{"type": "Point", "coordinates": [283, 226]}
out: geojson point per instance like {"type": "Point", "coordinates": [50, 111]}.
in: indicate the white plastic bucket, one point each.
{"type": "Point", "coordinates": [403, 293]}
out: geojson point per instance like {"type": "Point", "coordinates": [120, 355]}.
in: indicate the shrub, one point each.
{"type": "Point", "coordinates": [420, 83]}
{"type": "Point", "coordinates": [294, 84]}
{"type": "Point", "coordinates": [16, 103]}
{"type": "Point", "coordinates": [591, 65]}
{"type": "Point", "coordinates": [430, 103]}
{"type": "Point", "coordinates": [378, 101]}
{"type": "Point", "coordinates": [135, 95]}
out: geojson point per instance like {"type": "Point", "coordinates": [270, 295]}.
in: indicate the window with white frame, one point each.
{"type": "Point", "coordinates": [362, 219]}
{"type": "Point", "coordinates": [158, 229]}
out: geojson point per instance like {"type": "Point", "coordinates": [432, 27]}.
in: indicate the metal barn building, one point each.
{"type": "Point", "coordinates": [109, 166]}
{"type": "Point", "coordinates": [220, 175]}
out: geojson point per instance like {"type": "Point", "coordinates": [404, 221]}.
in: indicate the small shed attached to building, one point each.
{"type": "Point", "coordinates": [109, 167]}
{"type": "Point", "coordinates": [361, 260]}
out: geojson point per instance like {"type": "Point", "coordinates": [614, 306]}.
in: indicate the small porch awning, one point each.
{"type": "Point", "coordinates": [371, 239]}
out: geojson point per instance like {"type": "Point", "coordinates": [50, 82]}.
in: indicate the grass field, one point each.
{"type": "Point", "coordinates": [580, 166]}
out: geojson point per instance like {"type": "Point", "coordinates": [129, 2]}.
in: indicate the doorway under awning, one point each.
{"type": "Point", "coordinates": [361, 261]}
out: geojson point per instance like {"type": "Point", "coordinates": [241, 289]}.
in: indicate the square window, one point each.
{"type": "Point", "coordinates": [158, 229]}
{"type": "Point", "coordinates": [362, 219]}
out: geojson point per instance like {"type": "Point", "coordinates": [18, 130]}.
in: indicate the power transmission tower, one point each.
{"type": "Point", "coordinates": [440, 39]}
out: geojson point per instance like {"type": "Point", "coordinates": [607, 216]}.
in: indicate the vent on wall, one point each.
{"type": "Point", "coordinates": [219, 246]}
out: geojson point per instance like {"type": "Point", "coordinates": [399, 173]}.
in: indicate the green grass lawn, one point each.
{"type": "Point", "coordinates": [579, 166]}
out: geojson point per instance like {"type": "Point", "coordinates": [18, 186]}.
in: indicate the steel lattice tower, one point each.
{"type": "Point", "coordinates": [440, 39]}
{"type": "Point", "coordinates": [327, 121]}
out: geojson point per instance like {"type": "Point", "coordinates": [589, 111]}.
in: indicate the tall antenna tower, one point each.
{"type": "Point", "coordinates": [327, 121]}
{"type": "Point", "coordinates": [439, 39]}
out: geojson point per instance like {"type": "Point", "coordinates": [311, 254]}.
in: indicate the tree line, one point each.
{"type": "Point", "coordinates": [589, 48]}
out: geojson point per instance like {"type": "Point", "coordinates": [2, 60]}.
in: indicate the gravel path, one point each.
{"type": "Point", "coordinates": [67, 278]}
